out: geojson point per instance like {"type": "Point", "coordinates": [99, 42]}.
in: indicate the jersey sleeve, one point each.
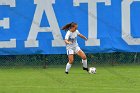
{"type": "Point", "coordinates": [67, 35]}
{"type": "Point", "coordinates": [77, 32]}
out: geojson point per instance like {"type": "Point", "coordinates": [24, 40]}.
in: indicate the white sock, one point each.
{"type": "Point", "coordinates": [68, 66]}
{"type": "Point", "coordinates": [84, 63]}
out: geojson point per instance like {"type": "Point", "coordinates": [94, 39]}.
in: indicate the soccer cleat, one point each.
{"type": "Point", "coordinates": [85, 69]}
{"type": "Point", "coordinates": [66, 72]}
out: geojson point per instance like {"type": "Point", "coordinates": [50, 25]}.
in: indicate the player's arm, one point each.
{"type": "Point", "coordinates": [67, 42]}
{"type": "Point", "coordinates": [67, 37]}
{"type": "Point", "coordinates": [82, 36]}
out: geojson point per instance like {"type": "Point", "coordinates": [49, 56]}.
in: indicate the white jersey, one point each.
{"type": "Point", "coordinates": [72, 37]}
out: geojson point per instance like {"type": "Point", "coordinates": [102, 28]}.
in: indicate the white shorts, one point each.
{"type": "Point", "coordinates": [73, 50]}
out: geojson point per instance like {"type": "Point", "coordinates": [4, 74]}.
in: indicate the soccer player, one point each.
{"type": "Point", "coordinates": [72, 45]}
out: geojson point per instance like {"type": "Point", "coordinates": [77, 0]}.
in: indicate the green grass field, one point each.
{"type": "Point", "coordinates": [117, 79]}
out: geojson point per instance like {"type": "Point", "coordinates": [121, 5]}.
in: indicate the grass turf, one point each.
{"type": "Point", "coordinates": [117, 79]}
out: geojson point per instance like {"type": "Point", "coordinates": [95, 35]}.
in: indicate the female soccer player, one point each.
{"type": "Point", "coordinates": [72, 45]}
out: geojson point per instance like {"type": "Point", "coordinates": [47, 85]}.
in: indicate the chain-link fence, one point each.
{"type": "Point", "coordinates": [54, 60]}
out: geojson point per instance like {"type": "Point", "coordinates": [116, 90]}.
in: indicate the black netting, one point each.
{"type": "Point", "coordinates": [53, 60]}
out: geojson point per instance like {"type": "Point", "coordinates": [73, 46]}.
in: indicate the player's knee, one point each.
{"type": "Point", "coordinates": [70, 61]}
{"type": "Point", "coordinates": [84, 57]}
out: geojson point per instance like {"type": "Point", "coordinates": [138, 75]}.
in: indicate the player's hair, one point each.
{"type": "Point", "coordinates": [69, 26]}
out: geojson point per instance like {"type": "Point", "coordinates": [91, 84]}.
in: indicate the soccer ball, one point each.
{"type": "Point", "coordinates": [92, 70]}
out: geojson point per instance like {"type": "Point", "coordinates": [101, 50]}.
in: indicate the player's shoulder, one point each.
{"type": "Point", "coordinates": [68, 32]}
{"type": "Point", "coordinates": [77, 31]}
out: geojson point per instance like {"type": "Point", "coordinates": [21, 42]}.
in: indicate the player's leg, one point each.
{"type": "Point", "coordinates": [70, 54]}
{"type": "Point", "coordinates": [84, 59]}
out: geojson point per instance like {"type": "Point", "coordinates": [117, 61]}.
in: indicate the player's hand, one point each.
{"type": "Point", "coordinates": [69, 42]}
{"type": "Point", "coordinates": [86, 39]}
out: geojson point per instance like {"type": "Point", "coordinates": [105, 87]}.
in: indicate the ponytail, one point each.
{"type": "Point", "coordinates": [68, 26]}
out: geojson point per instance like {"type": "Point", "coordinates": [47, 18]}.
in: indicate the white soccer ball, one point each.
{"type": "Point", "coordinates": [92, 70]}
